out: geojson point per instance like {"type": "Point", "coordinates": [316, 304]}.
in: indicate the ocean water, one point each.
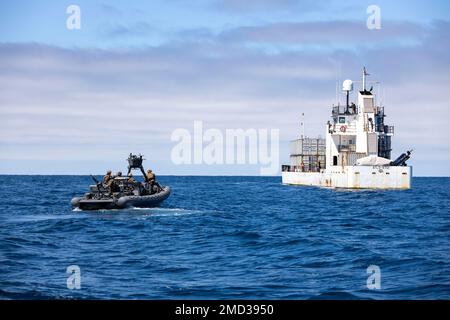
{"type": "Point", "coordinates": [226, 238]}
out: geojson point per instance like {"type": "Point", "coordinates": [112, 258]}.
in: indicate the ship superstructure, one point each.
{"type": "Point", "coordinates": [356, 151]}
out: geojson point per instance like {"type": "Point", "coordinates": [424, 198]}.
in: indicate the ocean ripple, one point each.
{"type": "Point", "coordinates": [226, 238]}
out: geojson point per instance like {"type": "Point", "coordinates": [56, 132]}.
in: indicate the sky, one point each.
{"type": "Point", "coordinates": [79, 101]}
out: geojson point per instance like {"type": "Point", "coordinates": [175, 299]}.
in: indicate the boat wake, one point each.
{"type": "Point", "coordinates": [150, 211]}
{"type": "Point", "coordinates": [163, 212]}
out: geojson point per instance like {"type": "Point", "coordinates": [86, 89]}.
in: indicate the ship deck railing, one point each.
{"type": "Point", "coordinates": [306, 168]}
{"type": "Point", "coordinates": [347, 147]}
{"type": "Point", "coordinates": [344, 110]}
{"type": "Point", "coordinates": [381, 128]}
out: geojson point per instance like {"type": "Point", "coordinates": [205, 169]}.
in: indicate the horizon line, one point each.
{"type": "Point", "coordinates": [175, 175]}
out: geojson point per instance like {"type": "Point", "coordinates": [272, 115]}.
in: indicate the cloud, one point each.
{"type": "Point", "coordinates": [95, 105]}
{"type": "Point", "coordinates": [324, 32]}
{"type": "Point", "coordinates": [277, 5]}
{"type": "Point", "coordinates": [325, 36]}
{"type": "Point", "coordinates": [118, 30]}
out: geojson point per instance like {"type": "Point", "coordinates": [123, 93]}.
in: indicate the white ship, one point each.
{"type": "Point", "coordinates": [356, 152]}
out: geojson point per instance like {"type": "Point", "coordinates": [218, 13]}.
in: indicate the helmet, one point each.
{"type": "Point", "coordinates": [130, 174]}
{"type": "Point", "coordinates": [119, 173]}
{"type": "Point", "coordinates": [108, 172]}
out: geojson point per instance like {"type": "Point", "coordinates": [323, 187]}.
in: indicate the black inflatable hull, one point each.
{"type": "Point", "coordinates": [123, 202]}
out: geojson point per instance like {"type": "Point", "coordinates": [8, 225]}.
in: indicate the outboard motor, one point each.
{"type": "Point", "coordinates": [401, 160]}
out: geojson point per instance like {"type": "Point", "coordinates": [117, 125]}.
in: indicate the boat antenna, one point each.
{"type": "Point", "coordinates": [302, 124]}
{"type": "Point", "coordinates": [337, 86]}
{"type": "Point", "coordinates": [364, 78]}
{"type": "Point", "coordinates": [347, 86]}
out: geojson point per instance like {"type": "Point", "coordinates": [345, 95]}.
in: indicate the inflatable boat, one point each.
{"type": "Point", "coordinates": [120, 201]}
{"type": "Point", "coordinates": [123, 192]}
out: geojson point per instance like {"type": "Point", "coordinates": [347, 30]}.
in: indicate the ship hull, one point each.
{"type": "Point", "coordinates": [353, 177]}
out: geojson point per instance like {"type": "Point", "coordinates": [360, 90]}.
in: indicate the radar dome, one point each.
{"type": "Point", "coordinates": [347, 85]}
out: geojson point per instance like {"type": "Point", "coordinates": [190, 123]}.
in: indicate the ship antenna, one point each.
{"type": "Point", "coordinates": [364, 78]}
{"type": "Point", "coordinates": [336, 98]}
{"type": "Point", "coordinates": [303, 124]}
{"type": "Point", "coordinates": [347, 86]}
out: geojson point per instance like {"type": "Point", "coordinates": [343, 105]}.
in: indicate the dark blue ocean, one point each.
{"type": "Point", "coordinates": [226, 238]}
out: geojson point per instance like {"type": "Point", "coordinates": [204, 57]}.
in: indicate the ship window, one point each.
{"type": "Point", "coordinates": [341, 119]}
{"type": "Point", "coordinates": [334, 160]}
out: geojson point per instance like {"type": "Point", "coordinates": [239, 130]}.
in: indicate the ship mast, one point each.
{"type": "Point", "coordinates": [364, 74]}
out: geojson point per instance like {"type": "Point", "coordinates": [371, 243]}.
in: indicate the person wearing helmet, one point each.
{"type": "Point", "coordinates": [118, 175]}
{"type": "Point", "coordinates": [150, 177]}
{"type": "Point", "coordinates": [108, 181]}
{"type": "Point", "coordinates": [107, 178]}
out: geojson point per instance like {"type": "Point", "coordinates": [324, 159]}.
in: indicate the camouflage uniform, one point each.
{"type": "Point", "coordinates": [150, 177]}
{"type": "Point", "coordinates": [107, 178]}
